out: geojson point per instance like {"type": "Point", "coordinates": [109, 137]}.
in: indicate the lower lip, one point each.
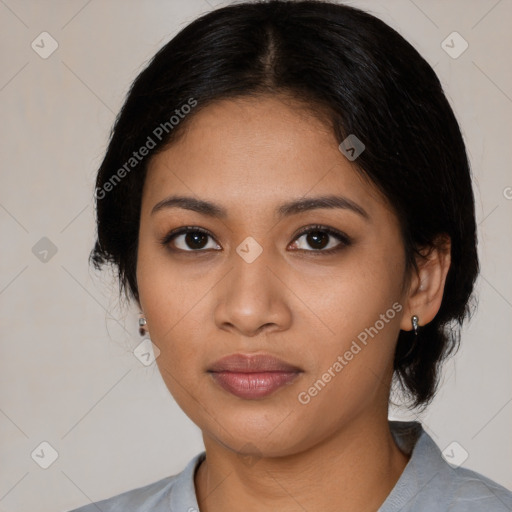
{"type": "Point", "coordinates": [253, 385]}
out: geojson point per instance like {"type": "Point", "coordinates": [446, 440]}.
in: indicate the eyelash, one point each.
{"type": "Point", "coordinates": [342, 237]}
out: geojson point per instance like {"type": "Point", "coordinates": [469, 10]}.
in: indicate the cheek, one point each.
{"type": "Point", "coordinates": [176, 301]}
{"type": "Point", "coordinates": [167, 294]}
{"type": "Point", "coordinates": [352, 297]}
{"type": "Point", "coordinates": [359, 307]}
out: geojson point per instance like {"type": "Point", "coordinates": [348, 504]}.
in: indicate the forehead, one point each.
{"type": "Point", "coordinates": [251, 150]}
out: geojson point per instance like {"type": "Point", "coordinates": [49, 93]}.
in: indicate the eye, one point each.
{"type": "Point", "coordinates": [189, 239]}
{"type": "Point", "coordinates": [320, 238]}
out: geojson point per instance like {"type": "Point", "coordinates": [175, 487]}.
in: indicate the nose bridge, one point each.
{"type": "Point", "coordinates": [250, 296]}
{"type": "Point", "coordinates": [251, 277]}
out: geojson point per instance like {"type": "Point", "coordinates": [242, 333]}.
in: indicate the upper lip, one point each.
{"type": "Point", "coordinates": [252, 363]}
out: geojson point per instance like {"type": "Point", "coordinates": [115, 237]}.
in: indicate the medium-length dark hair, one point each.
{"type": "Point", "coordinates": [347, 66]}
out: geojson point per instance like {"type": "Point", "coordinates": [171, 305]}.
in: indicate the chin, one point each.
{"type": "Point", "coordinates": [262, 433]}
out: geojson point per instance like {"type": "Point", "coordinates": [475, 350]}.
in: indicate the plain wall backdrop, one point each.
{"type": "Point", "coordinates": [68, 374]}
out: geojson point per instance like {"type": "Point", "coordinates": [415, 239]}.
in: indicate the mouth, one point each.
{"type": "Point", "coordinates": [252, 376]}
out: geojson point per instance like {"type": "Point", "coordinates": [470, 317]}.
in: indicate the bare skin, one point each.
{"type": "Point", "coordinates": [294, 301]}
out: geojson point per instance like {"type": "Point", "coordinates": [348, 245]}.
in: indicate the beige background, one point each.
{"type": "Point", "coordinates": [68, 375]}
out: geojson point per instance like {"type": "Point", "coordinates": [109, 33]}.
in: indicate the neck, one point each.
{"type": "Point", "coordinates": [353, 470]}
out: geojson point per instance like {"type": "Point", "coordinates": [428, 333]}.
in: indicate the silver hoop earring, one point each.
{"type": "Point", "coordinates": [414, 321]}
{"type": "Point", "coordinates": [142, 326]}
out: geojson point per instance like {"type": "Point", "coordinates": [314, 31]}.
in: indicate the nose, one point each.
{"type": "Point", "coordinates": [252, 299]}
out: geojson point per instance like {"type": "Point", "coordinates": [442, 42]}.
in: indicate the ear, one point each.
{"type": "Point", "coordinates": [426, 285]}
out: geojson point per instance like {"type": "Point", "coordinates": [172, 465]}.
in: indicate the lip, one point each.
{"type": "Point", "coordinates": [252, 376]}
{"type": "Point", "coordinates": [252, 363]}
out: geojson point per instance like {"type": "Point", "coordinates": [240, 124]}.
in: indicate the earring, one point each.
{"type": "Point", "coordinates": [142, 325]}
{"type": "Point", "coordinates": [414, 321]}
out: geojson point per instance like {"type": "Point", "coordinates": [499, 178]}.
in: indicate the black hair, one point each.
{"type": "Point", "coordinates": [342, 63]}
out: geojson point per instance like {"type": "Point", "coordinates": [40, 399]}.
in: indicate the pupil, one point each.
{"type": "Point", "coordinates": [316, 238]}
{"type": "Point", "coordinates": [194, 240]}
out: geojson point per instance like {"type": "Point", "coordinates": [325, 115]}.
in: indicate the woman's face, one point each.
{"type": "Point", "coordinates": [329, 307]}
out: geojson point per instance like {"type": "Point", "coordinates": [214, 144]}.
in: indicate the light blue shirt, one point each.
{"type": "Point", "coordinates": [427, 484]}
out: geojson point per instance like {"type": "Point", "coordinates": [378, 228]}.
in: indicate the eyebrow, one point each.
{"type": "Point", "coordinates": [286, 209]}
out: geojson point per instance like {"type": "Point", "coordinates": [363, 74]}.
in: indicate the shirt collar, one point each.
{"type": "Point", "coordinates": [425, 463]}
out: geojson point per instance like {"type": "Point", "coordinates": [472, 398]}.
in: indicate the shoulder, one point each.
{"type": "Point", "coordinates": [469, 491]}
{"type": "Point", "coordinates": [139, 499]}
{"type": "Point", "coordinates": [165, 495]}
{"type": "Point", "coordinates": [429, 482]}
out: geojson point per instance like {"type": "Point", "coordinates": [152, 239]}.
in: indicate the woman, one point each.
{"type": "Point", "coordinates": [273, 200]}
